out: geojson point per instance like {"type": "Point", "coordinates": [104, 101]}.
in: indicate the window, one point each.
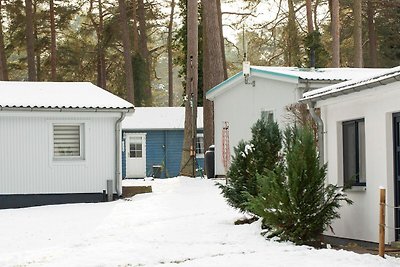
{"type": "Point", "coordinates": [354, 153]}
{"type": "Point", "coordinates": [267, 115]}
{"type": "Point", "coordinates": [200, 145]}
{"type": "Point", "coordinates": [67, 141]}
{"type": "Point", "coordinates": [135, 147]}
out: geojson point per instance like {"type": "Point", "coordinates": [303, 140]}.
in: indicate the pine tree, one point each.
{"type": "Point", "coordinates": [251, 159]}
{"type": "Point", "coordinates": [293, 200]}
{"type": "Point", "coordinates": [242, 177]}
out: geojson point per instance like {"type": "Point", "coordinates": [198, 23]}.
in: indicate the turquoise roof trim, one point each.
{"type": "Point", "coordinates": [240, 74]}
{"type": "Point", "coordinates": [225, 82]}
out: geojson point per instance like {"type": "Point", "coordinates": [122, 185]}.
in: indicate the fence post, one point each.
{"type": "Point", "coordinates": [382, 204]}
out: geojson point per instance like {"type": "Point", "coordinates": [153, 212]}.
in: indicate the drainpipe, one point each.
{"type": "Point", "coordinates": [118, 141]}
{"type": "Point", "coordinates": [320, 130]}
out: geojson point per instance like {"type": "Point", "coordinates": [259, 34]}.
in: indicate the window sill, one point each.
{"type": "Point", "coordinates": [356, 188]}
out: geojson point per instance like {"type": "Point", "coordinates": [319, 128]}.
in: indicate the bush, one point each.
{"type": "Point", "coordinates": [293, 200]}
{"type": "Point", "coordinates": [249, 160]}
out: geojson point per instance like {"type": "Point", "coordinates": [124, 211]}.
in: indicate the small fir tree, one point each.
{"type": "Point", "coordinates": [249, 160]}
{"type": "Point", "coordinates": [293, 200]}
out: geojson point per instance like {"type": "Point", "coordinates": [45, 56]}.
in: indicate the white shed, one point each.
{"type": "Point", "coordinates": [59, 142]}
{"type": "Point", "coordinates": [361, 125]}
{"type": "Point", "coordinates": [240, 102]}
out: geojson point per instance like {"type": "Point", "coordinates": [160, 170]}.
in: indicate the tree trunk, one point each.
{"type": "Point", "coordinates": [127, 51]}
{"type": "Point", "coordinates": [169, 48]}
{"type": "Point", "coordinates": [373, 50]}
{"type": "Point", "coordinates": [219, 12]}
{"type": "Point", "coordinates": [213, 64]}
{"type": "Point", "coordinates": [100, 54]}
{"type": "Point", "coordinates": [357, 32]}
{"type": "Point", "coordinates": [102, 74]}
{"type": "Point", "coordinates": [293, 52]}
{"type": "Point", "coordinates": [144, 51]}
{"type": "Point", "coordinates": [335, 24]}
{"type": "Point", "coordinates": [188, 166]}
{"type": "Point", "coordinates": [38, 51]}
{"type": "Point", "coordinates": [30, 41]}
{"type": "Point", "coordinates": [3, 58]}
{"type": "Point", "coordinates": [135, 28]}
{"type": "Point", "coordinates": [53, 45]}
{"type": "Point", "coordinates": [310, 29]}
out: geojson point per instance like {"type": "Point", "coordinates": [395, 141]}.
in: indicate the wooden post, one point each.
{"type": "Point", "coordinates": [382, 222]}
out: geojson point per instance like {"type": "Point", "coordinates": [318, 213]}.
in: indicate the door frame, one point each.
{"type": "Point", "coordinates": [144, 153]}
{"type": "Point", "coordinates": [396, 170]}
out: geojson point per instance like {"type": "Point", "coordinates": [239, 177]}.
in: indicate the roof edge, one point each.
{"type": "Point", "coordinates": [224, 83]}
{"type": "Point", "coordinates": [64, 109]}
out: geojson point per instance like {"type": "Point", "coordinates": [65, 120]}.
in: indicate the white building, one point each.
{"type": "Point", "coordinates": [361, 125]}
{"type": "Point", "coordinates": [59, 142]}
{"type": "Point", "coordinates": [269, 90]}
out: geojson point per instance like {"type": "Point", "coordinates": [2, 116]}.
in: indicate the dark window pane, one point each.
{"type": "Point", "coordinates": [349, 153]}
{"type": "Point", "coordinates": [361, 153]}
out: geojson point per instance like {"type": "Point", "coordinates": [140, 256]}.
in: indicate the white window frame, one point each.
{"type": "Point", "coordinates": [200, 155]}
{"type": "Point", "coordinates": [82, 143]}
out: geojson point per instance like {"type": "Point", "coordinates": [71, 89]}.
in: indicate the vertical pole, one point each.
{"type": "Point", "coordinates": [382, 222]}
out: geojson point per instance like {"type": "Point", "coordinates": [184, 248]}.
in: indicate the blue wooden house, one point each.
{"type": "Point", "coordinates": [152, 139]}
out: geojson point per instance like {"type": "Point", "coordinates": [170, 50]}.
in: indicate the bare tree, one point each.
{"type": "Point", "coordinates": [335, 24]}
{"type": "Point", "coordinates": [127, 51]}
{"type": "Point", "coordinates": [169, 48]}
{"type": "Point", "coordinates": [3, 58]}
{"type": "Point", "coordinates": [30, 41]}
{"type": "Point", "coordinates": [213, 63]}
{"type": "Point", "coordinates": [188, 165]}
{"type": "Point", "coordinates": [357, 33]}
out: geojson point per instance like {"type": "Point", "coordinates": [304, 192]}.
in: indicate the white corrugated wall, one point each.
{"type": "Point", "coordinates": [26, 162]}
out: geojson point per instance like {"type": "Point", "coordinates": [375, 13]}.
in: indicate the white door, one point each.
{"type": "Point", "coordinates": [135, 155]}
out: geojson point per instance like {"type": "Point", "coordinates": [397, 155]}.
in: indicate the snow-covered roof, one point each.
{"type": "Point", "coordinates": [58, 95]}
{"type": "Point", "coordinates": [295, 75]}
{"type": "Point", "coordinates": [379, 77]}
{"type": "Point", "coordinates": [322, 74]}
{"type": "Point", "coordinates": [157, 118]}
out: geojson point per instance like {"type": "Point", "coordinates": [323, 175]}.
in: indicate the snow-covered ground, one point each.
{"type": "Point", "coordinates": [184, 222]}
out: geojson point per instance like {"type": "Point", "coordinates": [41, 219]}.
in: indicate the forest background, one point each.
{"type": "Point", "coordinates": [81, 40]}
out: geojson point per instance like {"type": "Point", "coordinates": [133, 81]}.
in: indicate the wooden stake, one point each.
{"type": "Point", "coordinates": [382, 222]}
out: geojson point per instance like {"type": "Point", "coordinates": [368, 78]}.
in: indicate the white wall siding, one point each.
{"type": "Point", "coordinates": [376, 106]}
{"type": "Point", "coordinates": [26, 160]}
{"type": "Point", "coordinates": [241, 106]}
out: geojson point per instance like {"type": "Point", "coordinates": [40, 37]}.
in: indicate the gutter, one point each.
{"type": "Point", "coordinates": [320, 126]}
{"type": "Point", "coordinates": [118, 143]}
{"type": "Point", "coordinates": [320, 132]}
{"type": "Point", "coordinates": [64, 109]}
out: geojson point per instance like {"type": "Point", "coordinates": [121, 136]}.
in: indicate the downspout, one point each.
{"type": "Point", "coordinates": [320, 131]}
{"type": "Point", "coordinates": [118, 141]}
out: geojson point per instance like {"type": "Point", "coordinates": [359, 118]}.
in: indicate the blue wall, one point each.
{"type": "Point", "coordinates": [163, 147]}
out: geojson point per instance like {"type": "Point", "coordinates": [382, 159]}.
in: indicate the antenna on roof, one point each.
{"type": "Point", "coordinates": [246, 63]}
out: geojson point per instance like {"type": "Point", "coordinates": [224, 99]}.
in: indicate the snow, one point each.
{"type": "Point", "coordinates": [58, 95]}
{"type": "Point", "coordinates": [325, 74]}
{"type": "Point", "coordinates": [159, 118]}
{"type": "Point", "coordinates": [184, 222]}
{"type": "Point", "coordinates": [364, 78]}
